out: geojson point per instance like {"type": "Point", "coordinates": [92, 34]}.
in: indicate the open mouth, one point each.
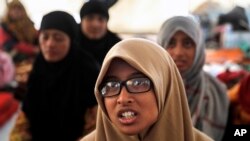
{"type": "Point", "coordinates": [128, 114]}
{"type": "Point", "coordinates": [127, 117]}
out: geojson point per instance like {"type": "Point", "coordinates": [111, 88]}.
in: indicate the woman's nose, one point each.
{"type": "Point", "coordinates": [124, 97]}
{"type": "Point", "coordinates": [178, 49]}
{"type": "Point", "coordinates": [50, 42]}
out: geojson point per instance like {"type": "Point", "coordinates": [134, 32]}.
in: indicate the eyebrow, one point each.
{"type": "Point", "coordinates": [55, 32]}
{"type": "Point", "coordinates": [188, 38]}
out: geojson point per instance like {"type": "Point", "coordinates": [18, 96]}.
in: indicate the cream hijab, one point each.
{"type": "Point", "coordinates": [174, 123]}
{"type": "Point", "coordinates": [207, 98]}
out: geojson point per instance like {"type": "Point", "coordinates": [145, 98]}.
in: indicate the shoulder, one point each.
{"type": "Point", "coordinates": [214, 81]}
{"type": "Point", "coordinates": [89, 137]}
{"type": "Point", "coordinates": [85, 58]}
{"type": "Point", "coordinates": [4, 28]}
{"type": "Point", "coordinates": [85, 63]}
{"type": "Point", "coordinates": [3, 34]}
{"type": "Point", "coordinates": [113, 36]}
{"type": "Point", "coordinates": [200, 136]}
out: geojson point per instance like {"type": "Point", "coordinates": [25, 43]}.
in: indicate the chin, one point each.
{"type": "Point", "coordinates": [52, 60]}
{"type": "Point", "coordinates": [130, 132]}
{"type": "Point", "coordinates": [182, 70]}
{"type": "Point", "coordinates": [95, 37]}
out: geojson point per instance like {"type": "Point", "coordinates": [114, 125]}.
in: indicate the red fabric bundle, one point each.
{"type": "Point", "coordinates": [231, 78]}
{"type": "Point", "coordinates": [8, 106]}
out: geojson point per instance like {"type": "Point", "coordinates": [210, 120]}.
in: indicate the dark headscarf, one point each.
{"type": "Point", "coordinates": [94, 7]}
{"type": "Point", "coordinates": [64, 22]}
{"type": "Point", "coordinates": [59, 93]}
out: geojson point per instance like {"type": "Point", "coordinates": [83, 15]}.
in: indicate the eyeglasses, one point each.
{"type": "Point", "coordinates": [134, 85]}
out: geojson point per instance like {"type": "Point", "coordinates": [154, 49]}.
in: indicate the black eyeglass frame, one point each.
{"type": "Point", "coordinates": [124, 83]}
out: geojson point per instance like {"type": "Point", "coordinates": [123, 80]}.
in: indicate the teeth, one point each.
{"type": "Point", "coordinates": [128, 114]}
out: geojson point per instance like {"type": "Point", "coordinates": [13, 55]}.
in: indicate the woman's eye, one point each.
{"type": "Point", "coordinates": [58, 38]}
{"type": "Point", "coordinates": [171, 44]}
{"type": "Point", "coordinates": [188, 43]}
{"type": "Point", "coordinates": [134, 83]}
{"type": "Point", "coordinates": [112, 84]}
{"type": "Point", "coordinates": [44, 37]}
{"type": "Point", "coordinates": [139, 82]}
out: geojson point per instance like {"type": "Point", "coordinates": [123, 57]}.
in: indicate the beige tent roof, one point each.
{"type": "Point", "coordinates": [126, 16]}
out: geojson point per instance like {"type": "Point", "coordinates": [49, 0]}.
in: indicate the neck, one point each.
{"type": "Point", "coordinates": [142, 134]}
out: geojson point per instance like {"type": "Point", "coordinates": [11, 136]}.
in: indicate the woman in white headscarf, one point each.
{"type": "Point", "coordinates": [151, 107]}
{"type": "Point", "coordinates": [208, 102]}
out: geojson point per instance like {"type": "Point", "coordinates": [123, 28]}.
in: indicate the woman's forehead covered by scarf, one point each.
{"type": "Point", "coordinates": [148, 58]}
{"type": "Point", "coordinates": [60, 20]}
{"type": "Point", "coordinates": [178, 23]}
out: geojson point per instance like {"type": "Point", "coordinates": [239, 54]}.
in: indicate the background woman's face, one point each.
{"type": "Point", "coordinates": [54, 44]}
{"type": "Point", "coordinates": [182, 49]}
{"type": "Point", "coordinates": [16, 13]}
{"type": "Point", "coordinates": [94, 26]}
{"type": "Point", "coordinates": [130, 113]}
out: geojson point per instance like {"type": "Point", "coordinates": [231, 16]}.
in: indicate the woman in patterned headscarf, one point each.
{"type": "Point", "coordinates": [151, 107]}
{"type": "Point", "coordinates": [208, 102]}
{"type": "Point", "coordinates": [18, 35]}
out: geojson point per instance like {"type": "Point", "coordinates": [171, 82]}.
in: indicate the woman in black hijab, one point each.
{"type": "Point", "coordinates": [93, 33]}
{"type": "Point", "coordinates": [60, 87]}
